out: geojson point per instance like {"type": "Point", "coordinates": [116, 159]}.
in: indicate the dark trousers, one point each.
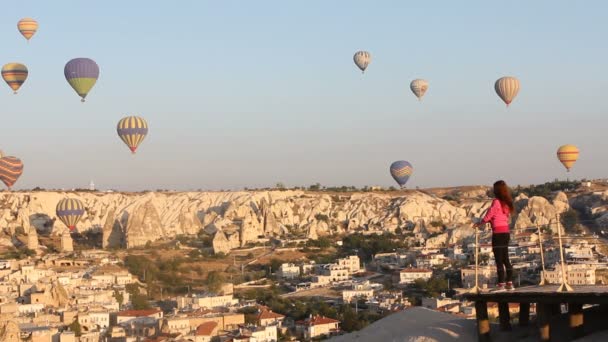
{"type": "Point", "coordinates": [500, 242]}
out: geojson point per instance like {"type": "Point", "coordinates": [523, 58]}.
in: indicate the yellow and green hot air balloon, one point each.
{"type": "Point", "coordinates": [568, 155]}
{"type": "Point", "coordinates": [69, 211]}
{"type": "Point", "coordinates": [14, 74]}
{"type": "Point", "coordinates": [81, 74]}
{"type": "Point", "coordinates": [132, 130]}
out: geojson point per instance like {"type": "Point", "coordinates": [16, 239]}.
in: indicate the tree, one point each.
{"type": "Point", "coordinates": [214, 281]}
{"type": "Point", "coordinates": [75, 327]}
{"type": "Point", "coordinates": [570, 220]}
{"type": "Point", "coordinates": [432, 287]}
{"type": "Point", "coordinates": [140, 302]}
{"type": "Point", "coordinates": [120, 298]}
{"type": "Point", "coordinates": [275, 264]}
{"type": "Point", "coordinates": [280, 186]}
{"type": "Point", "coordinates": [315, 187]}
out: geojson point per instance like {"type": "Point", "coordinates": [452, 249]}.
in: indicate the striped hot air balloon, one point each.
{"type": "Point", "coordinates": [507, 88]}
{"type": "Point", "coordinates": [27, 27]}
{"type": "Point", "coordinates": [11, 169]}
{"type": "Point", "coordinates": [401, 171]}
{"type": "Point", "coordinates": [362, 59]}
{"type": "Point", "coordinates": [567, 155]}
{"type": "Point", "coordinates": [81, 74]}
{"type": "Point", "coordinates": [14, 74]}
{"type": "Point", "coordinates": [132, 130]}
{"type": "Point", "coordinates": [69, 211]}
{"type": "Point", "coordinates": [419, 87]}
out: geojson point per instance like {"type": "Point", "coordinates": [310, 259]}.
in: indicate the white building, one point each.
{"type": "Point", "coordinates": [352, 263]}
{"type": "Point", "coordinates": [289, 271]}
{"type": "Point", "coordinates": [205, 301]}
{"type": "Point", "coordinates": [577, 274]}
{"type": "Point", "coordinates": [486, 274]}
{"type": "Point", "coordinates": [363, 290]}
{"type": "Point", "coordinates": [408, 275]}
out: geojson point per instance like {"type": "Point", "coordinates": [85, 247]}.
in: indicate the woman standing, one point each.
{"type": "Point", "coordinates": [498, 217]}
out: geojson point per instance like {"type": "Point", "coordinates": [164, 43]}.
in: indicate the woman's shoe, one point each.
{"type": "Point", "coordinates": [509, 286]}
{"type": "Point", "coordinates": [499, 287]}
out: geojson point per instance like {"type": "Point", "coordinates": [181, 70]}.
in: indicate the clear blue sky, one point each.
{"type": "Point", "coordinates": [250, 93]}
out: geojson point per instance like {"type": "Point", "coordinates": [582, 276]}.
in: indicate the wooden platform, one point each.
{"type": "Point", "coordinates": [584, 294]}
{"type": "Point", "coordinates": [547, 301]}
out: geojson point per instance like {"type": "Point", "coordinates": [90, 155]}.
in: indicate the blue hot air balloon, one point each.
{"type": "Point", "coordinates": [401, 171]}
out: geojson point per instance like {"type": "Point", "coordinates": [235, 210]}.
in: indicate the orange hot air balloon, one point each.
{"type": "Point", "coordinates": [27, 27]}
{"type": "Point", "coordinates": [568, 155]}
{"type": "Point", "coordinates": [507, 89]}
{"type": "Point", "coordinates": [14, 74]}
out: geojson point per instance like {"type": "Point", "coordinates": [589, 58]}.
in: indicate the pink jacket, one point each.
{"type": "Point", "coordinates": [498, 216]}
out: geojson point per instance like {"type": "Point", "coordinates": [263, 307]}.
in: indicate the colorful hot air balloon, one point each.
{"type": "Point", "coordinates": [81, 74]}
{"type": "Point", "coordinates": [69, 211]}
{"type": "Point", "coordinates": [507, 88]}
{"type": "Point", "coordinates": [11, 169]}
{"type": "Point", "coordinates": [401, 171]}
{"type": "Point", "coordinates": [419, 87]}
{"type": "Point", "coordinates": [567, 155]}
{"type": "Point", "coordinates": [132, 130]}
{"type": "Point", "coordinates": [362, 59]}
{"type": "Point", "coordinates": [14, 74]}
{"type": "Point", "coordinates": [27, 27]}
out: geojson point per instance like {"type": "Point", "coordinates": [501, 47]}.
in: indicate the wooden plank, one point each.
{"type": "Point", "coordinates": [575, 313]}
{"type": "Point", "coordinates": [543, 312]}
{"type": "Point", "coordinates": [503, 316]}
{"type": "Point", "coordinates": [483, 323]}
{"type": "Point", "coordinates": [524, 314]}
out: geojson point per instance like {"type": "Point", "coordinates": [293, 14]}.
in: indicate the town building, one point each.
{"type": "Point", "coordinates": [486, 274]}
{"type": "Point", "coordinates": [576, 274]}
{"type": "Point", "coordinates": [358, 291]}
{"type": "Point", "coordinates": [289, 271]}
{"type": "Point", "coordinates": [409, 275]}
{"type": "Point", "coordinates": [317, 326]}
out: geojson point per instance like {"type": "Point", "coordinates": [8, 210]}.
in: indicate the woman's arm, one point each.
{"type": "Point", "coordinates": [491, 212]}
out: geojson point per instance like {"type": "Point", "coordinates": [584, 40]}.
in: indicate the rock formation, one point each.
{"type": "Point", "coordinates": [236, 219]}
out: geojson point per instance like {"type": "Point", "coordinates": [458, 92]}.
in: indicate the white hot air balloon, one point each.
{"type": "Point", "coordinates": [507, 88]}
{"type": "Point", "coordinates": [419, 87]}
{"type": "Point", "coordinates": [362, 59]}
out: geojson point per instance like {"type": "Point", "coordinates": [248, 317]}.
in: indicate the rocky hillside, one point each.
{"type": "Point", "coordinates": [235, 219]}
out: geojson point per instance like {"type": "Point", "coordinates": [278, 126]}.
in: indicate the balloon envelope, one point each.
{"type": "Point", "coordinates": [507, 88]}
{"type": "Point", "coordinates": [11, 169]}
{"type": "Point", "coordinates": [14, 74]}
{"type": "Point", "coordinates": [69, 211]}
{"type": "Point", "coordinates": [567, 155]}
{"type": "Point", "coordinates": [132, 130]}
{"type": "Point", "coordinates": [419, 87]}
{"type": "Point", "coordinates": [81, 74]}
{"type": "Point", "coordinates": [27, 27]}
{"type": "Point", "coordinates": [362, 59]}
{"type": "Point", "coordinates": [401, 171]}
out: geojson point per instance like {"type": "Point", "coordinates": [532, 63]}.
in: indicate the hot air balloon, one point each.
{"type": "Point", "coordinates": [69, 211]}
{"type": "Point", "coordinates": [14, 74]}
{"type": "Point", "coordinates": [507, 88]}
{"type": "Point", "coordinates": [362, 59]}
{"type": "Point", "coordinates": [11, 169]}
{"type": "Point", "coordinates": [81, 74]}
{"type": "Point", "coordinates": [132, 130]}
{"type": "Point", "coordinates": [419, 87]}
{"type": "Point", "coordinates": [401, 171]}
{"type": "Point", "coordinates": [567, 155]}
{"type": "Point", "coordinates": [27, 27]}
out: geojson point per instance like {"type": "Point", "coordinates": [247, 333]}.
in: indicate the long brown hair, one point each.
{"type": "Point", "coordinates": [502, 193]}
